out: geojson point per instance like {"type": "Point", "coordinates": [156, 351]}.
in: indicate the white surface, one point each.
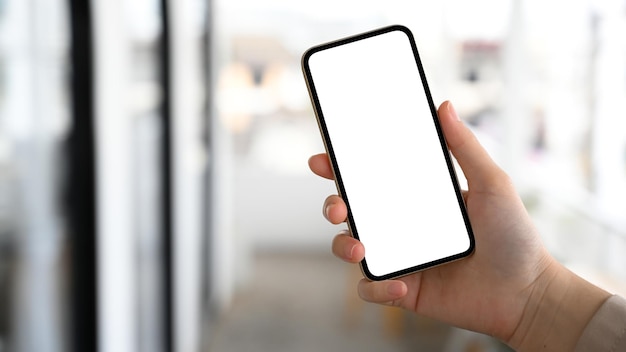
{"type": "Point", "coordinates": [188, 164]}
{"type": "Point", "coordinates": [116, 241]}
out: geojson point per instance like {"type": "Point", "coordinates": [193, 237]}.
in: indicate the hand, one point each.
{"type": "Point", "coordinates": [499, 288]}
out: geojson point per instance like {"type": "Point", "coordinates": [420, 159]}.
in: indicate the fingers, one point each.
{"type": "Point", "coordinates": [481, 171]}
{"type": "Point", "coordinates": [351, 250]}
{"type": "Point", "coordinates": [320, 165]}
{"type": "Point", "coordinates": [386, 292]}
{"type": "Point", "coordinates": [335, 209]}
{"type": "Point", "coordinates": [348, 248]}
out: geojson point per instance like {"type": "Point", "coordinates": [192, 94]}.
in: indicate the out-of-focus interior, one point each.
{"type": "Point", "coordinates": [208, 232]}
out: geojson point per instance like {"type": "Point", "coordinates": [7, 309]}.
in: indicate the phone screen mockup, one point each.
{"type": "Point", "coordinates": [391, 163]}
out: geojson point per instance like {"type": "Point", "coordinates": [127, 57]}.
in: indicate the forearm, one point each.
{"type": "Point", "coordinates": [560, 306]}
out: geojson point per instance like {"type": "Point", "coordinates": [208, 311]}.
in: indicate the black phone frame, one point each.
{"type": "Point", "coordinates": [335, 167]}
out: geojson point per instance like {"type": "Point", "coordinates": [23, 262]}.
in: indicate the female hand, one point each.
{"type": "Point", "coordinates": [499, 289]}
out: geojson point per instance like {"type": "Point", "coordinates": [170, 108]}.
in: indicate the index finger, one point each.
{"type": "Point", "coordinates": [320, 165]}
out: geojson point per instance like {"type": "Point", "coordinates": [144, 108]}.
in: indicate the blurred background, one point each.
{"type": "Point", "coordinates": [154, 188]}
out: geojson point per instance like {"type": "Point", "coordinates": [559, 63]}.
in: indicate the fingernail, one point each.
{"type": "Point", "coordinates": [452, 111]}
{"type": "Point", "coordinates": [395, 289]}
{"type": "Point", "coordinates": [327, 211]}
{"type": "Point", "coordinates": [350, 252]}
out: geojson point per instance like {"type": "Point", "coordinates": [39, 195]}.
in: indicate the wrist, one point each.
{"type": "Point", "coordinates": [558, 309]}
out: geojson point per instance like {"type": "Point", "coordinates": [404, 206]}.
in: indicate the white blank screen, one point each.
{"type": "Point", "coordinates": [396, 180]}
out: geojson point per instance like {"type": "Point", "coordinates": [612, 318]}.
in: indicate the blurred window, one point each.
{"type": "Point", "coordinates": [34, 126]}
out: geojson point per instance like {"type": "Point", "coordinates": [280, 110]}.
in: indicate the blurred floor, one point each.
{"type": "Point", "coordinates": [307, 302]}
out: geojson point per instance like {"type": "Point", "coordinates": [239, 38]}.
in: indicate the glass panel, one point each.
{"type": "Point", "coordinates": [145, 85]}
{"type": "Point", "coordinates": [189, 165]}
{"type": "Point", "coordinates": [34, 123]}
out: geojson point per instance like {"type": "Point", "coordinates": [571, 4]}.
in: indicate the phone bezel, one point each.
{"type": "Point", "coordinates": [335, 167]}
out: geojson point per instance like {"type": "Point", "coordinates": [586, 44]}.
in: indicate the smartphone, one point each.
{"type": "Point", "coordinates": [390, 160]}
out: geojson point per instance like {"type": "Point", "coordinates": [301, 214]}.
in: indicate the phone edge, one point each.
{"type": "Point", "coordinates": [334, 167]}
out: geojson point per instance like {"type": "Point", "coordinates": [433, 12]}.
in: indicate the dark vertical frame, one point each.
{"type": "Point", "coordinates": [207, 245]}
{"type": "Point", "coordinates": [167, 208]}
{"type": "Point", "coordinates": [82, 181]}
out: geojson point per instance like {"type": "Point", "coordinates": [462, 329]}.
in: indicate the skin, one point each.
{"type": "Point", "coordinates": [510, 287]}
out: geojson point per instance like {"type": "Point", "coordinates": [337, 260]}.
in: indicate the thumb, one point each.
{"type": "Point", "coordinates": [481, 171]}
